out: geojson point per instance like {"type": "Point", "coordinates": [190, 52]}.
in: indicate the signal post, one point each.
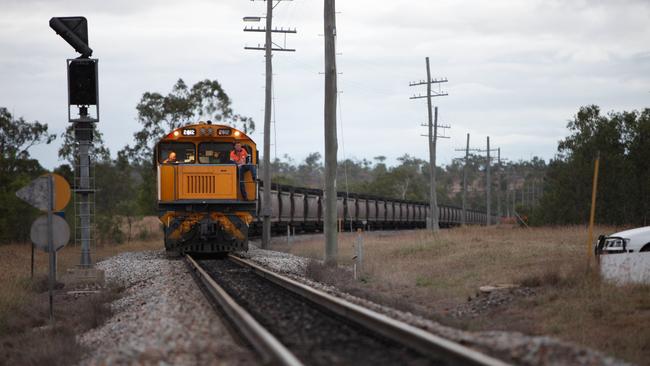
{"type": "Point", "coordinates": [82, 75]}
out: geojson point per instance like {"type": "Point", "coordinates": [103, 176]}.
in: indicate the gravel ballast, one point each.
{"type": "Point", "coordinates": [161, 318]}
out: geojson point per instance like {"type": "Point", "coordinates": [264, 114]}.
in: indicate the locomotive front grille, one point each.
{"type": "Point", "coordinates": [206, 182]}
{"type": "Point", "coordinates": [200, 184]}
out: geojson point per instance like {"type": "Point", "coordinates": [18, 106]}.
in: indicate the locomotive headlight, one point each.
{"type": "Point", "coordinates": [176, 133]}
{"type": "Point", "coordinates": [237, 133]}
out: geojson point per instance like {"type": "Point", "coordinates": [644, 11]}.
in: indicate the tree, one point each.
{"type": "Point", "coordinates": [159, 114]}
{"type": "Point", "coordinates": [68, 148]}
{"type": "Point", "coordinates": [16, 138]}
{"type": "Point", "coordinates": [620, 139]}
{"type": "Point", "coordinates": [311, 172]}
{"type": "Point", "coordinates": [17, 169]}
{"type": "Point", "coordinates": [637, 131]}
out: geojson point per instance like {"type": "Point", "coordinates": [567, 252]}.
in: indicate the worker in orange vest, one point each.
{"type": "Point", "coordinates": [239, 156]}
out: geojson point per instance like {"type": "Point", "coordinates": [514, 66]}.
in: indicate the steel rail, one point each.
{"type": "Point", "coordinates": [271, 350]}
{"type": "Point", "coordinates": [397, 331]}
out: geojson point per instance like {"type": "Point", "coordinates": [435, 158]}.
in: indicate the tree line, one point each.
{"type": "Point", "coordinates": [556, 192]}
{"type": "Point", "coordinates": [622, 141]}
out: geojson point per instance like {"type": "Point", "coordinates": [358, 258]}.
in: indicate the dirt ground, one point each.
{"type": "Point", "coordinates": [439, 277]}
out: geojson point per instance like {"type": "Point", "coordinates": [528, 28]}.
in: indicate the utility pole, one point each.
{"type": "Point", "coordinates": [488, 184]}
{"type": "Point", "coordinates": [533, 199]}
{"type": "Point", "coordinates": [268, 94]}
{"type": "Point", "coordinates": [432, 223]}
{"type": "Point", "coordinates": [331, 144]}
{"type": "Point", "coordinates": [466, 160]}
{"type": "Point", "coordinates": [500, 183]}
{"type": "Point", "coordinates": [506, 200]}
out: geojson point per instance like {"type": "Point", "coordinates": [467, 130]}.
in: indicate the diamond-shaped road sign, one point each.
{"type": "Point", "coordinates": [60, 233]}
{"type": "Point", "coordinates": [37, 193]}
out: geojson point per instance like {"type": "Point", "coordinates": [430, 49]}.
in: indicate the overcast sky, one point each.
{"type": "Point", "coordinates": [517, 70]}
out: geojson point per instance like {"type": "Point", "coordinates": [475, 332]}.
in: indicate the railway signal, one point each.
{"type": "Point", "coordinates": [49, 193]}
{"type": "Point", "coordinates": [82, 95]}
{"type": "Point", "coordinates": [73, 30]}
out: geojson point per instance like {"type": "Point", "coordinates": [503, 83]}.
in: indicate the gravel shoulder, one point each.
{"type": "Point", "coordinates": [162, 318]}
{"type": "Point", "coordinates": [514, 347]}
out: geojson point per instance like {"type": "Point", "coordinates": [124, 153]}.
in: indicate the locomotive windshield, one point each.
{"type": "Point", "coordinates": [176, 153]}
{"type": "Point", "coordinates": [214, 152]}
{"type": "Point", "coordinates": [217, 152]}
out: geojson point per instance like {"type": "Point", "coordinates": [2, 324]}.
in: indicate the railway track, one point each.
{"type": "Point", "coordinates": [289, 323]}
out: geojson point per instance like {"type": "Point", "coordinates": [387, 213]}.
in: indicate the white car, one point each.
{"type": "Point", "coordinates": [628, 241]}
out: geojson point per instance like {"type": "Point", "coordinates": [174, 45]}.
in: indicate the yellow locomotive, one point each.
{"type": "Point", "coordinates": [207, 191]}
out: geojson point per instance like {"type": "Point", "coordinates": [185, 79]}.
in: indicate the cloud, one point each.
{"type": "Point", "coordinates": [517, 70]}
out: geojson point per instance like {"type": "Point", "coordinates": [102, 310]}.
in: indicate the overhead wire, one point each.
{"type": "Point", "coordinates": [339, 107]}
{"type": "Point", "coordinates": [275, 135]}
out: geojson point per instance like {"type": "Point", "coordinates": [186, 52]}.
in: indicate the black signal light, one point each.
{"type": "Point", "coordinates": [82, 82]}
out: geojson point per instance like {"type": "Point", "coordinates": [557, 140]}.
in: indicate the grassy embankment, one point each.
{"type": "Point", "coordinates": [433, 276]}
{"type": "Point", "coordinates": [25, 335]}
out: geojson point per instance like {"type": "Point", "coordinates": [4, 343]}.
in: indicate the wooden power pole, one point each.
{"type": "Point", "coordinates": [466, 160]}
{"type": "Point", "coordinates": [433, 126]}
{"type": "Point", "coordinates": [500, 184]}
{"type": "Point", "coordinates": [464, 218]}
{"type": "Point", "coordinates": [331, 144]}
{"type": "Point", "coordinates": [433, 196]}
{"type": "Point", "coordinates": [488, 185]}
{"type": "Point", "coordinates": [268, 95]}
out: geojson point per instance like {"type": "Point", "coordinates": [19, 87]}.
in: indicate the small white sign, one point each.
{"type": "Point", "coordinates": [60, 233]}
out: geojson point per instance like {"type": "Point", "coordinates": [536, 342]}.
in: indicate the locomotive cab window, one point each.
{"type": "Point", "coordinates": [214, 152]}
{"type": "Point", "coordinates": [176, 153]}
{"type": "Point", "coordinates": [217, 152]}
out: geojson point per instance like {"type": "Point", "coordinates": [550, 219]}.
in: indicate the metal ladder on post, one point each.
{"type": "Point", "coordinates": [84, 202]}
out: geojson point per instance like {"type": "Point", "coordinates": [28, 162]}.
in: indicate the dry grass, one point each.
{"type": "Point", "coordinates": [30, 339]}
{"type": "Point", "coordinates": [23, 301]}
{"type": "Point", "coordinates": [17, 287]}
{"type": "Point", "coordinates": [433, 275]}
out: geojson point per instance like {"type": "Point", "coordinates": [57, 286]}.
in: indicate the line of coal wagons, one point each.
{"type": "Point", "coordinates": [301, 209]}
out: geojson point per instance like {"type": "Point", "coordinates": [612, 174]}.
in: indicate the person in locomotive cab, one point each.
{"type": "Point", "coordinates": [239, 156]}
{"type": "Point", "coordinates": [171, 158]}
